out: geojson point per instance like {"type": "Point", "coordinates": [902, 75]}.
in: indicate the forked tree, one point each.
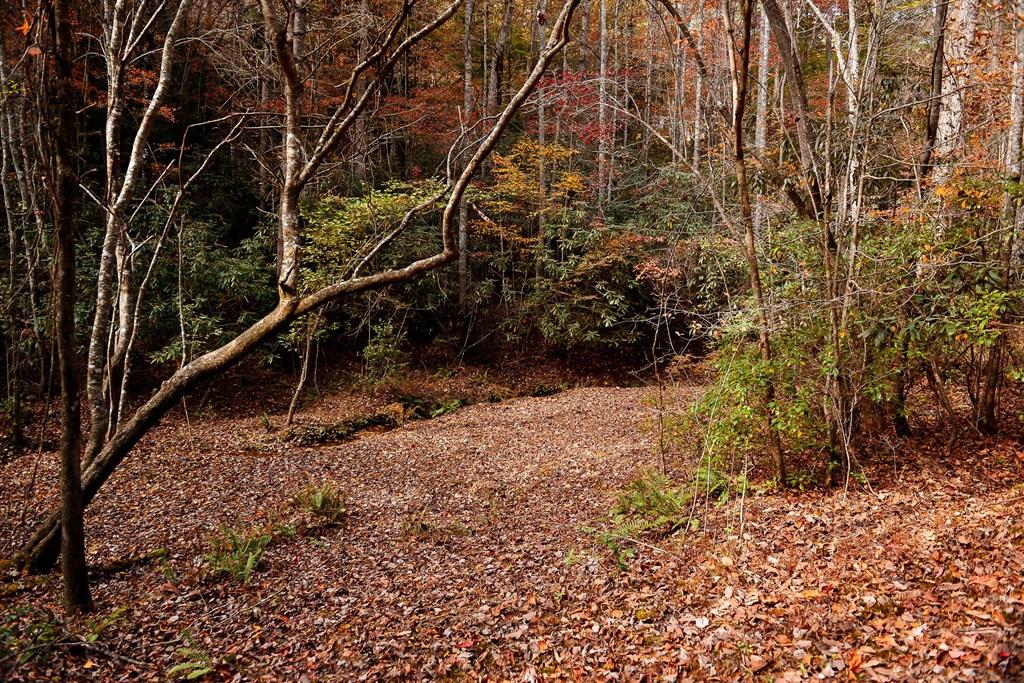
{"type": "Point", "coordinates": [302, 158]}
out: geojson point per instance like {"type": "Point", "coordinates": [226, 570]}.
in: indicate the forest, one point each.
{"type": "Point", "coordinates": [633, 340]}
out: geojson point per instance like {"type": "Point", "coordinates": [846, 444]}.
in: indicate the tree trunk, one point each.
{"type": "Point", "coordinates": [988, 407]}
{"type": "Point", "coordinates": [105, 367]}
{"type": "Point", "coordinates": [73, 567]}
{"type": "Point", "coordinates": [958, 48]}
{"type": "Point", "coordinates": [934, 104]}
{"type": "Point", "coordinates": [793, 66]}
{"type": "Point", "coordinates": [698, 95]}
{"type": "Point", "coordinates": [542, 172]}
{"type": "Point", "coordinates": [467, 108]}
{"type": "Point", "coordinates": [761, 115]}
{"type": "Point", "coordinates": [498, 61]}
{"type": "Point", "coordinates": [739, 54]}
{"type": "Point", "coordinates": [360, 136]}
{"type": "Point", "coordinates": [602, 104]}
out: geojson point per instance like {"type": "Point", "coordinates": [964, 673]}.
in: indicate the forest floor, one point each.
{"type": "Point", "coordinates": [465, 553]}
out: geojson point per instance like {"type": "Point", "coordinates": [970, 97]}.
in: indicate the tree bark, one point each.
{"type": "Point", "coordinates": [793, 65]}
{"type": "Point", "coordinates": [934, 105]}
{"type": "Point", "coordinates": [104, 373]}
{"type": "Point", "coordinates": [602, 103]}
{"type": "Point", "coordinates": [467, 108]}
{"type": "Point", "coordinates": [74, 571]}
{"type": "Point", "coordinates": [761, 114]}
{"type": "Point", "coordinates": [498, 61]}
{"type": "Point", "coordinates": [542, 171]}
{"type": "Point", "coordinates": [958, 47]}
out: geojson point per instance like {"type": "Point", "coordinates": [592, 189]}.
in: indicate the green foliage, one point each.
{"type": "Point", "coordinates": [340, 229]}
{"type": "Point", "coordinates": [27, 633]}
{"type": "Point", "coordinates": [223, 290]}
{"type": "Point", "coordinates": [236, 553]}
{"type": "Point", "coordinates": [931, 300]}
{"type": "Point", "coordinates": [196, 662]}
{"type": "Point", "coordinates": [648, 505]}
{"type": "Point", "coordinates": [383, 356]}
{"type": "Point", "coordinates": [446, 406]}
{"type": "Point", "coordinates": [800, 480]}
{"type": "Point", "coordinates": [651, 496]}
{"type": "Point", "coordinates": [325, 501]}
{"type": "Point", "coordinates": [94, 628]}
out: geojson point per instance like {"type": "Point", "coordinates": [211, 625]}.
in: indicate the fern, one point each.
{"type": "Point", "coordinates": [237, 553]}
{"type": "Point", "coordinates": [325, 501]}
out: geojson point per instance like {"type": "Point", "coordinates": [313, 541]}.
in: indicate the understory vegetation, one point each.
{"type": "Point", "coordinates": [261, 254]}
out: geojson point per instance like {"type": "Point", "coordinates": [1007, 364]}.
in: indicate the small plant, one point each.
{"type": "Point", "coordinates": [572, 556]}
{"type": "Point", "coordinates": [196, 662]}
{"type": "Point", "coordinates": [237, 552]}
{"type": "Point", "coordinates": [383, 355]}
{"type": "Point", "coordinates": [652, 505]}
{"type": "Point", "coordinates": [287, 530]}
{"type": "Point", "coordinates": [27, 634]}
{"type": "Point", "coordinates": [96, 627]}
{"type": "Point", "coordinates": [618, 543]}
{"type": "Point", "coordinates": [445, 407]}
{"type": "Point", "coordinates": [325, 501]}
{"type": "Point", "coordinates": [652, 496]}
{"type": "Point", "coordinates": [800, 480]}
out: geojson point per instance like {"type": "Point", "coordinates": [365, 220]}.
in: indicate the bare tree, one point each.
{"type": "Point", "coordinates": [124, 27]}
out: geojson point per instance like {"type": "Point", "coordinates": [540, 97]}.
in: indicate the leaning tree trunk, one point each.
{"type": "Point", "coordinates": [40, 552]}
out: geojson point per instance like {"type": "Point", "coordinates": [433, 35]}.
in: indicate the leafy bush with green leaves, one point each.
{"type": "Point", "coordinates": [383, 356]}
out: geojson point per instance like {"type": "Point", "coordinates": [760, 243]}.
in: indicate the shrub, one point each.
{"type": "Point", "coordinates": [383, 355]}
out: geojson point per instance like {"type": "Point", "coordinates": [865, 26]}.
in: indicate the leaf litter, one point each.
{"type": "Point", "coordinates": [464, 555]}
